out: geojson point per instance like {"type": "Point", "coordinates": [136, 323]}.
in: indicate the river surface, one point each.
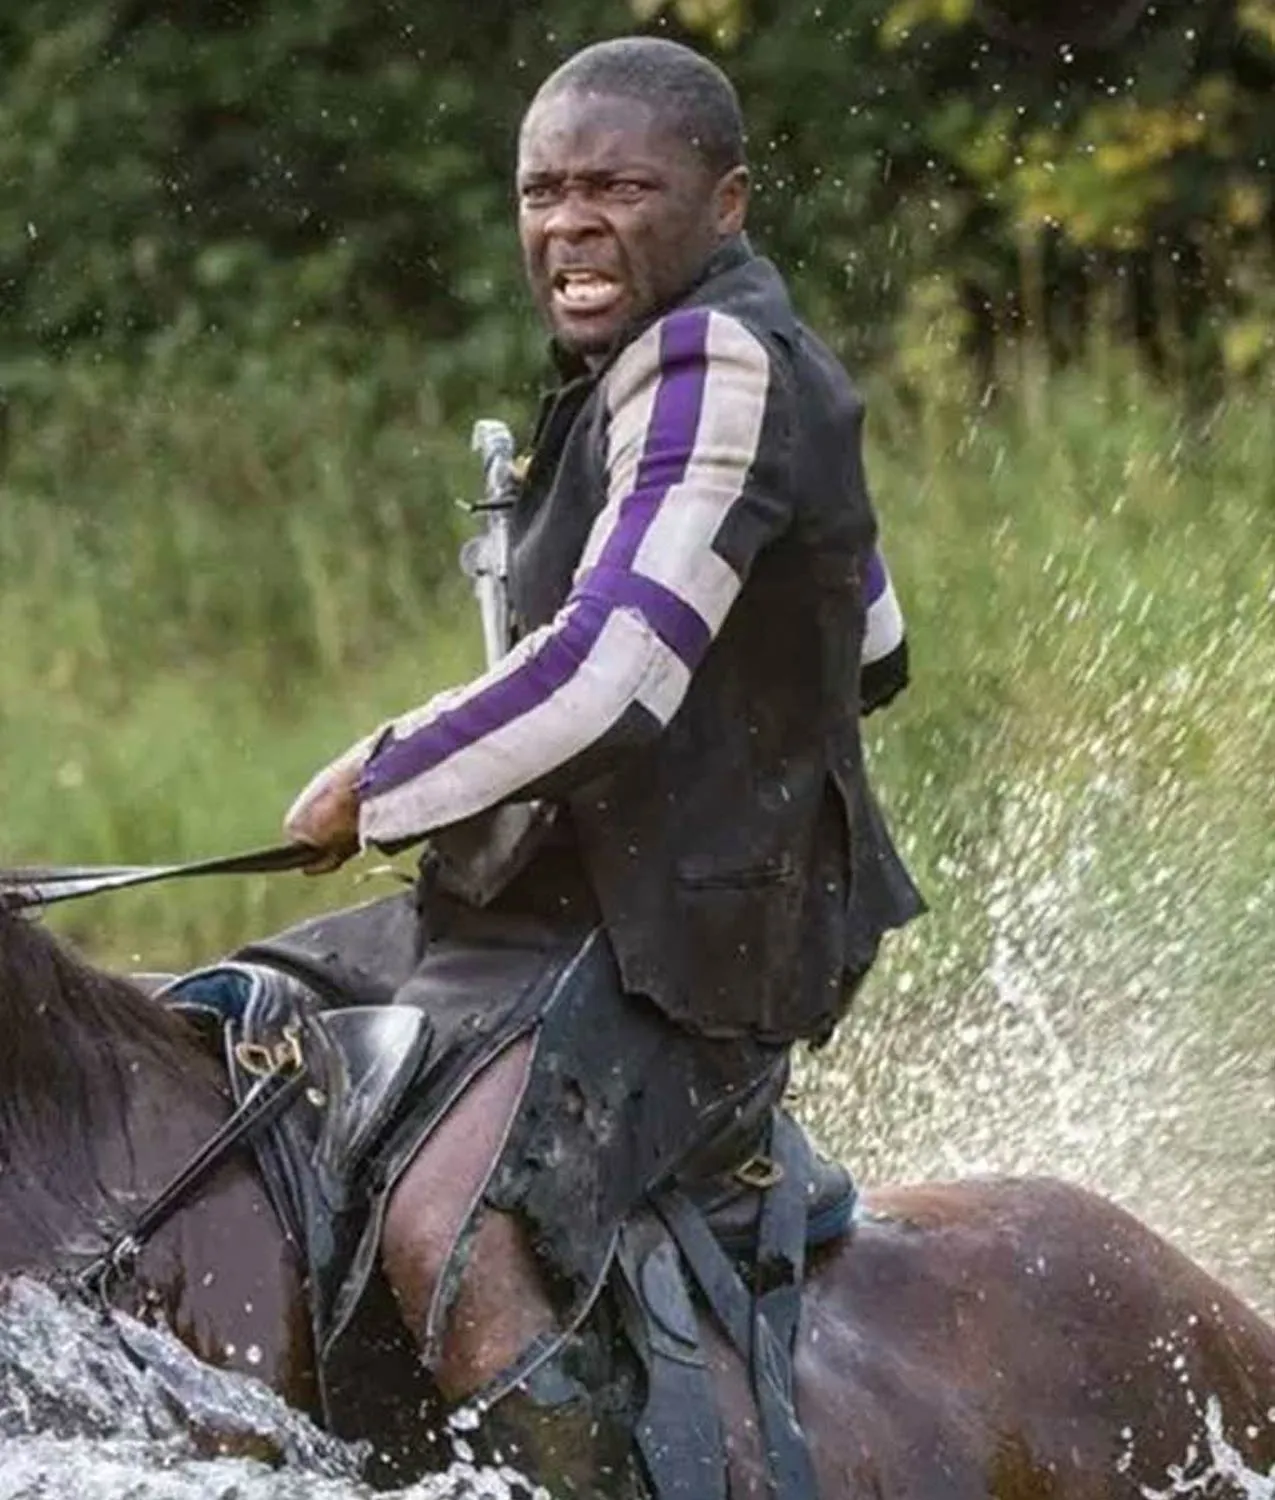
{"type": "Point", "coordinates": [98, 1408]}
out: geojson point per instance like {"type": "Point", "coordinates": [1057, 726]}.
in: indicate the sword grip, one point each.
{"type": "Point", "coordinates": [485, 558]}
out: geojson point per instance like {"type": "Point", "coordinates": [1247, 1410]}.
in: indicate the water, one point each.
{"type": "Point", "coordinates": [103, 1406]}
{"type": "Point", "coordinates": [1095, 995]}
{"type": "Point", "coordinates": [1213, 1466]}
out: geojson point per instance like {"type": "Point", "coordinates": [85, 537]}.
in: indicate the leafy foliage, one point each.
{"type": "Point", "coordinates": [245, 169]}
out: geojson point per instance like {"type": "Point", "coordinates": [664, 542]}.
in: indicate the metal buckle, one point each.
{"type": "Point", "coordinates": [759, 1172]}
{"type": "Point", "coordinates": [265, 1061]}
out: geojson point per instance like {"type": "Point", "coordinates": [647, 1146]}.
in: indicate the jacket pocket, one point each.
{"type": "Point", "coordinates": [706, 872]}
{"type": "Point", "coordinates": [738, 937]}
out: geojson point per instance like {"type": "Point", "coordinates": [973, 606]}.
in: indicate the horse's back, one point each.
{"type": "Point", "coordinates": [1022, 1338]}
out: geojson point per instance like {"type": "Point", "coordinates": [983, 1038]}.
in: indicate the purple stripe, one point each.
{"type": "Point", "coordinates": [874, 579]}
{"type": "Point", "coordinates": [474, 718]}
{"type": "Point", "coordinates": [666, 456]}
{"type": "Point", "coordinates": [670, 433]}
{"type": "Point", "coordinates": [679, 626]}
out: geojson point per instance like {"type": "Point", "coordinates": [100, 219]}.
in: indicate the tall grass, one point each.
{"type": "Point", "coordinates": [209, 582]}
{"type": "Point", "coordinates": [212, 579]}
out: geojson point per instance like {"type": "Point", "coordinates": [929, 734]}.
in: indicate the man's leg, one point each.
{"type": "Point", "coordinates": [613, 1098]}
{"type": "Point", "coordinates": [500, 1304]}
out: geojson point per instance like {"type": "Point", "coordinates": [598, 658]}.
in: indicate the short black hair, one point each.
{"type": "Point", "coordinates": [692, 94]}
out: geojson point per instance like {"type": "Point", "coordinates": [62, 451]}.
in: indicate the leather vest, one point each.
{"type": "Point", "coordinates": [742, 868]}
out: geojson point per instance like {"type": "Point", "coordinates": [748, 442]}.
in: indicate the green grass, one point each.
{"type": "Point", "coordinates": [211, 580]}
{"type": "Point", "coordinates": [208, 584]}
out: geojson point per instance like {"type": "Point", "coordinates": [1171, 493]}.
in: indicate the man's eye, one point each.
{"type": "Point", "coordinates": [537, 194]}
{"type": "Point", "coordinates": [625, 189]}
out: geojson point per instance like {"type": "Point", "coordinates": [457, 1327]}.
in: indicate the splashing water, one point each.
{"type": "Point", "coordinates": [1215, 1469]}
{"type": "Point", "coordinates": [116, 1469]}
{"type": "Point", "coordinates": [69, 1370]}
{"type": "Point", "coordinates": [103, 1406]}
{"type": "Point", "coordinates": [1213, 1466]}
{"type": "Point", "coordinates": [1091, 995]}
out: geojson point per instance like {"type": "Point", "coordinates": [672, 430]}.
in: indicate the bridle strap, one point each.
{"type": "Point", "coordinates": [280, 1080]}
{"type": "Point", "coordinates": [36, 885]}
{"type": "Point", "coordinates": [264, 1102]}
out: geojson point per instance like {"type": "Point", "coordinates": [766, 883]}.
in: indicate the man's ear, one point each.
{"type": "Point", "coordinates": [730, 198]}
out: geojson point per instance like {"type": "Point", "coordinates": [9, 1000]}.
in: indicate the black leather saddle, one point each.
{"type": "Point", "coordinates": [360, 1062]}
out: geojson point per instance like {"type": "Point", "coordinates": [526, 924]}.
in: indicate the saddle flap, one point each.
{"type": "Point", "coordinates": [373, 1053]}
{"type": "Point", "coordinates": [359, 1061]}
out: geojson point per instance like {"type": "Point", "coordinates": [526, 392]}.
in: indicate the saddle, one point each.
{"type": "Point", "coordinates": [318, 1159]}
{"type": "Point", "coordinates": [732, 1232]}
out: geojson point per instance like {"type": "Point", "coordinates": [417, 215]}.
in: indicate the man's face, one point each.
{"type": "Point", "coordinates": [616, 214]}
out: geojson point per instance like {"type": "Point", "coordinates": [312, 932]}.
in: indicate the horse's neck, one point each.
{"type": "Point", "coordinates": [220, 1273]}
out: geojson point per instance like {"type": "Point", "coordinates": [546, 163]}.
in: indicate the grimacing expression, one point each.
{"type": "Point", "coordinates": [616, 214]}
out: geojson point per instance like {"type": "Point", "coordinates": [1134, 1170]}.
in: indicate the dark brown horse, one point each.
{"type": "Point", "coordinates": [104, 1096]}
{"type": "Point", "coordinates": [993, 1339]}
{"type": "Point", "coordinates": [1011, 1339]}
{"type": "Point", "coordinates": [1025, 1340]}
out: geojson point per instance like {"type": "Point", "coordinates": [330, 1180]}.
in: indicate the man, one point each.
{"type": "Point", "coordinates": [700, 876]}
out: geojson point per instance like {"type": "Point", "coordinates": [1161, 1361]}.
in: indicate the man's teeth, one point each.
{"type": "Point", "coordinates": [586, 289]}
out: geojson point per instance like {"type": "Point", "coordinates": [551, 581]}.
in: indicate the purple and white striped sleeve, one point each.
{"type": "Point", "coordinates": [883, 664]}
{"type": "Point", "coordinates": [883, 631]}
{"type": "Point", "coordinates": [686, 404]}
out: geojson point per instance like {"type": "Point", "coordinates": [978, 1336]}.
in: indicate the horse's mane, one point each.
{"type": "Point", "coordinates": [71, 1040]}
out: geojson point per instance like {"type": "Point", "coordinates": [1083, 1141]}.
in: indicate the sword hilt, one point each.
{"type": "Point", "coordinates": [485, 558]}
{"type": "Point", "coordinates": [493, 441]}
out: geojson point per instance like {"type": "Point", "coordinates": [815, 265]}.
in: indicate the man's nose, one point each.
{"type": "Point", "coordinates": [573, 217]}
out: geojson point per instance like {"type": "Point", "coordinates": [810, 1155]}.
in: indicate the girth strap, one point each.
{"type": "Point", "coordinates": [763, 1326]}
{"type": "Point", "coordinates": [781, 1260]}
{"type": "Point", "coordinates": [679, 1432]}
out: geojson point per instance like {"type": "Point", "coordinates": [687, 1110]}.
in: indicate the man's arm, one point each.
{"type": "Point", "coordinates": [696, 446]}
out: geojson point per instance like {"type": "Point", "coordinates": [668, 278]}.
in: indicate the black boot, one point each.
{"type": "Point", "coordinates": [730, 1198]}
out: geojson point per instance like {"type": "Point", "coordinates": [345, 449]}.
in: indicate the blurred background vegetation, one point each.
{"type": "Point", "coordinates": [258, 275]}
{"type": "Point", "coordinates": [257, 278]}
{"type": "Point", "coordinates": [237, 173]}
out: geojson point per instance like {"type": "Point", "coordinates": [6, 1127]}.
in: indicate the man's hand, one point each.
{"type": "Point", "coordinates": [326, 814]}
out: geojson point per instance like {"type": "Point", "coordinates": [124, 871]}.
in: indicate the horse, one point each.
{"type": "Point", "coordinates": [104, 1096]}
{"type": "Point", "coordinates": [1014, 1339]}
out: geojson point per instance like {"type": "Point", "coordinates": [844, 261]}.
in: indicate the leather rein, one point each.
{"type": "Point", "coordinates": [276, 1088]}
{"type": "Point", "coordinates": [281, 1075]}
{"type": "Point", "coordinates": [43, 885]}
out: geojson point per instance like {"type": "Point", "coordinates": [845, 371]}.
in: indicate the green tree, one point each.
{"type": "Point", "coordinates": [930, 174]}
